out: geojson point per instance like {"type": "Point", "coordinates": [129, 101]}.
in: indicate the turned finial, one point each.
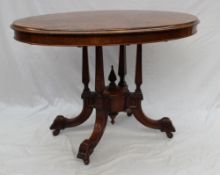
{"type": "Point", "coordinates": [112, 78]}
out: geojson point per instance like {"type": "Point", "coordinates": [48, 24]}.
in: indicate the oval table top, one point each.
{"type": "Point", "coordinates": [104, 27]}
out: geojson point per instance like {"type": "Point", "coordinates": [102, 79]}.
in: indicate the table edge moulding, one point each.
{"type": "Point", "coordinates": [27, 30]}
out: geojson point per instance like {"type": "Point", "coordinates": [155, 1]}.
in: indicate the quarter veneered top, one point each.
{"type": "Point", "coordinates": [104, 27]}
{"type": "Point", "coordinates": [104, 22]}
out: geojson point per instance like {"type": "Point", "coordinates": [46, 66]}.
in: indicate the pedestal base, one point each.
{"type": "Point", "coordinates": [108, 102]}
{"type": "Point", "coordinates": [111, 103]}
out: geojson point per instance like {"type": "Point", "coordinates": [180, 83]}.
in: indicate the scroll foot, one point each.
{"type": "Point", "coordinates": [58, 124]}
{"type": "Point", "coordinates": [164, 124]}
{"type": "Point", "coordinates": [61, 122]}
{"type": "Point", "coordinates": [85, 150]}
{"type": "Point", "coordinates": [167, 126]}
{"type": "Point", "coordinates": [87, 146]}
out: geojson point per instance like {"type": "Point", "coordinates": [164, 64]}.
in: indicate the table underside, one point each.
{"type": "Point", "coordinates": [109, 100]}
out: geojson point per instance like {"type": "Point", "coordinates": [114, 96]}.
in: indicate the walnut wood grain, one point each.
{"type": "Point", "coordinates": [104, 27]}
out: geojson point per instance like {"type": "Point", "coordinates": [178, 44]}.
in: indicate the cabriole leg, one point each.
{"type": "Point", "coordinates": [61, 122]}
{"type": "Point", "coordinates": [87, 146]}
{"type": "Point", "coordinates": [164, 124]}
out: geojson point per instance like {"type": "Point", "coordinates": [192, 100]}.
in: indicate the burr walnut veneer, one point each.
{"type": "Point", "coordinates": [99, 28]}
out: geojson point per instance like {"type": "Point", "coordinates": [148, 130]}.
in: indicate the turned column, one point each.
{"type": "Point", "coordinates": [85, 68]}
{"type": "Point", "coordinates": [138, 72]}
{"type": "Point", "coordinates": [122, 70]}
{"type": "Point", "coordinates": [99, 72]}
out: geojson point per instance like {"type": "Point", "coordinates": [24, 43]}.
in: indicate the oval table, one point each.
{"type": "Point", "coordinates": [99, 28]}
